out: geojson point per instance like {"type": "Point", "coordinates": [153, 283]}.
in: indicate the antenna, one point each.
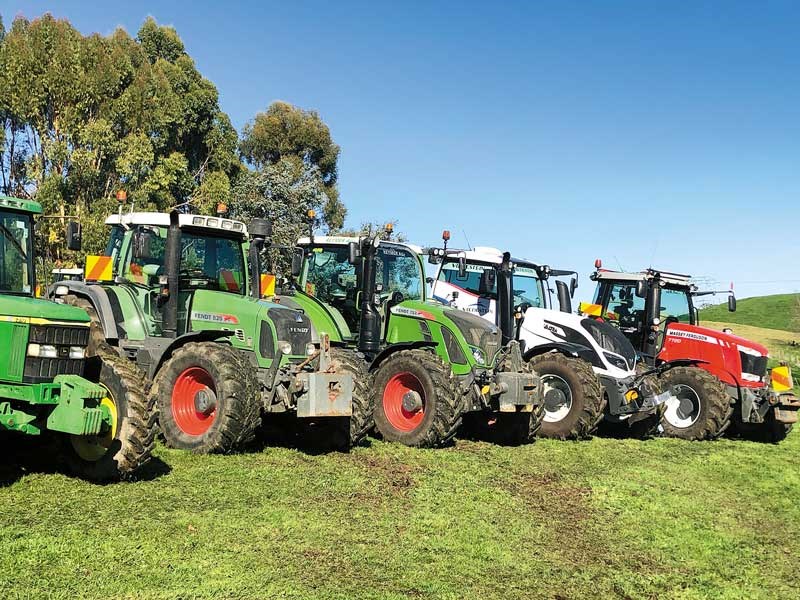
{"type": "Point", "coordinates": [466, 238]}
{"type": "Point", "coordinates": [653, 255]}
{"type": "Point", "coordinates": [619, 264]}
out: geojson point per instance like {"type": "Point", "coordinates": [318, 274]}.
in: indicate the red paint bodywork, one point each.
{"type": "Point", "coordinates": [719, 349]}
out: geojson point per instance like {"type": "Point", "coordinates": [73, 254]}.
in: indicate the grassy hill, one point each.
{"type": "Point", "coordinates": [601, 518]}
{"type": "Point", "coordinates": [773, 312]}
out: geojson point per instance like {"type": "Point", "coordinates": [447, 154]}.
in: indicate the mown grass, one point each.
{"type": "Point", "coordinates": [601, 518]}
{"type": "Point", "coordinates": [779, 311]}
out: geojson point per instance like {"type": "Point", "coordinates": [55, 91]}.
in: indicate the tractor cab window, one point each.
{"type": "Point", "coordinates": [471, 282]}
{"type": "Point", "coordinates": [675, 306]}
{"type": "Point", "coordinates": [398, 270]}
{"type": "Point", "coordinates": [211, 263]}
{"type": "Point", "coordinates": [16, 264]}
{"type": "Point", "coordinates": [527, 287]}
{"type": "Point", "coordinates": [114, 245]}
{"type": "Point", "coordinates": [330, 276]}
{"type": "Point", "coordinates": [625, 309]}
{"type": "Point", "coordinates": [148, 264]}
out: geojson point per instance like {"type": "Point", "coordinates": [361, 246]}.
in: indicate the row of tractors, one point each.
{"type": "Point", "coordinates": [202, 329]}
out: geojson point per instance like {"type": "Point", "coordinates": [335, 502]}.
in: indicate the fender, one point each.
{"type": "Point", "coordinates": [192, 336]}
{"type": "Point", "coordinates": [565, 348]}
{"type": "Point", "coordinates": [99, 299]}
{"type": "Point", "coordinates": [389, 350]}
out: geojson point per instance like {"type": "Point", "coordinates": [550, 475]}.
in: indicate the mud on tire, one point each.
{"type": "Point", "coordinates": [704, 408]}
{"type": "Point", "coordinates": [563, 419]}
{"type": "Point", "coordinates": [208, 398]}
{"type": "Point", "coordinates": [120, 453]}
{"type": "Point", "coordinates": [431, 379]}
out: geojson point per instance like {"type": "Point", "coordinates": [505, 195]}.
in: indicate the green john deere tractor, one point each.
{"type": "Point", "coordinates": [104, 429]}
{"type": "Point", "coordinates": [432, 366]}
{"type": "Point", "coordinates": [175, 294]}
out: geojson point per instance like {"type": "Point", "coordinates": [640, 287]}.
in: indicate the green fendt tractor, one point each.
{"type": "Point", "coordinates": [431, 365]}
{"type": "Point", "coordinates": [179, 297]}
{"type": "Point", "coordinates": [104, 429]}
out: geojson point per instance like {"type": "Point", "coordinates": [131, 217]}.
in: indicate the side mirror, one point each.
{"type": "Point", "coordinates": [355, 253]}
{"type": "Point", "coordinates": [564, 300]}
{"type": "Point", "coordinates": [486, 285]}
{"type": "Point", "coordinates": [732, 303]}
{"type": "Point", "coordinates": [641, 288]}
{"type": "Point", "coordinates": [142, 245]}
{"type": "Point", "coordinates": [462, 268]}
{"type": "Point", "coordinates": [573, 285]}
{"type": "Point", "coordinates": [73, 235]}
{"type": "Point", "coordinates": [297, 262]}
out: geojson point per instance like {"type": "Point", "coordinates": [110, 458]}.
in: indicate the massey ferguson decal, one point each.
{"type": "Point", "coordinates": [698, 337]}
{"type": "Point", "coordinates": [214, 317]}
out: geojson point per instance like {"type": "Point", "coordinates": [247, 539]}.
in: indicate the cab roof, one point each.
{"type": "Point", "coordinates": [494, 256]}
{"type": "Point", "coordinates": [30, 206]}
{"type": "Point", "coordinates": [676, 279]}
{"type": "Point", "coordinates": [161, 219]}
{"type": "Point", "coordinates": [343, 240]}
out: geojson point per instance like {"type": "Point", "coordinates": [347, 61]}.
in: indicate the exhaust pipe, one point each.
{"type": "Point", "coordinates": [505, 299]}
{"type": "Point", "coordinates": [369, 336]}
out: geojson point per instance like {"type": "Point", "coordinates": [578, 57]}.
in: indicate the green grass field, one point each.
{"type": "Point", "coordinates": [781, 311]}
{"type": "Point", "coordinates": [602, 518]}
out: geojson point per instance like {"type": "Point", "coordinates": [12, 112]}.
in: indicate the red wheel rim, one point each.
{"type": "Point", "coordinates": [184, 410]}
{"type": "Point", "coordinates": [397, 415]}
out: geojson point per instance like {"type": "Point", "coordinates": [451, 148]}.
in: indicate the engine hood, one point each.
{"type": "Point", "coordinates": [27, 307]}
{"type": "Point", "coordinates": [716, 336]}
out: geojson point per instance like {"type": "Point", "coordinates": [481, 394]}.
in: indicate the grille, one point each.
{"type": "Point", "coordinates": [293, 327]}
{"type": "Point", "coordinates": [612, 339]}
{"type": "Point", "coordinates": [40, 370]}
{"type": "Point", "coordinates": [755, 365]}
{"type": "Point", "coordinates": [453, 349]}
{"type": "Point", "coordinates": [477, 332]}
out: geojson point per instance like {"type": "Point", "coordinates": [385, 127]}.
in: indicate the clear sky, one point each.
{"type": "Point", "coordinates": [638, 132]}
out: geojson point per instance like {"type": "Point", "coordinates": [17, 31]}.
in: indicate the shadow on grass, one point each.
{"type": "Point", "coordinates": [312, 437]}
{"type": "Point", "coordinates": [25, 455]}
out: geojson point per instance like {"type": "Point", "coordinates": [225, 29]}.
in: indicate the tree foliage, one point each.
{"type": "Point", "coordinates": [288, 139]}
{"type": "Point", "coordinates": [83, 116]}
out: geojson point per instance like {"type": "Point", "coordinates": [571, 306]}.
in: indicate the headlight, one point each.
{"type": "Point", "coordinates": [42, 351]}
{"type": "Point", "coordinates": [617, 361]}
{"type": "Point", "coordinates": [77, 352]}
{"type": "Point", "coordinates": [478, 355]}
{"type": "Point", "coordinates": [310, 349]}
{"type": "Point", "coordinates": [285, 347]}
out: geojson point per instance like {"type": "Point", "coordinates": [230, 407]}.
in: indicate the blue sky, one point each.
{"type": "Point", "coordinates": [564, 131]}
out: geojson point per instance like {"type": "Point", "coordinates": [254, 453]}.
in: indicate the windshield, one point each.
{"type": "Point", "coordinates": [16, 243]}
{"type": "Point", "coordinates": [330, 276]}
{"type": "Point", "coordinates": [526, 283]}
{"type": "Point", "coordinates": [675, 305]}
{"type": "Point", "coordinates": [114, 244]}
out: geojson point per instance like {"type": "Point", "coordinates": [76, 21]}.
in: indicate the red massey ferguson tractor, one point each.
{"type": "Point", "coordinates": [724, 379]}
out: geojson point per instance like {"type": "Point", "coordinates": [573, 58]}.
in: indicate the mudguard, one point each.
{"type": "Point", "coordinates": [565, 348]}
{"type": "Point", "coordinates": [193, 336]}
{"type": "Point", "coordinates": [389, 350]}
{"type": "Point", "coordinates": [99, 299]}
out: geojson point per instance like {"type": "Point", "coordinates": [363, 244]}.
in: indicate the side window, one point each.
{"type": "Point", "coordinates": [624, 307]}
{"type": "Point", "coordinates": [674, 305]}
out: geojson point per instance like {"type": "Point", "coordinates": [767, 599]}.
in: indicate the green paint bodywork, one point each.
{"type": "Point", "coordinates": [68, 404]}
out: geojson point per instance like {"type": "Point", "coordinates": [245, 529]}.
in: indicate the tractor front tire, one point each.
{"type": "Point", "coordinates": [208, 398]}
{"type": "Point", "coordinates": [574, 399]}
{"type": "Point", "coordinates": [128, 444]}
{"type": "Point", "coordinates": [700, 409]}
{"type": "Point", "coordinates": [416, 399]}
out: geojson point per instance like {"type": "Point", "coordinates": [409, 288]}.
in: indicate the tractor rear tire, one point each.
{"type": "Point", "coordinates": [574, 399]}
{"type": "Point", "coordinates": [703, 410]}
{"type": "Point", "coordinates": [96, 336]}
{"type": "Point", "coordinates": [128, 445]}
{"type": "Point", "coordinates": [342, 433]}
{"type": "Point", "coordinates": [426, 382]}
{"type": "Point", "coordinates": [208, 398]}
